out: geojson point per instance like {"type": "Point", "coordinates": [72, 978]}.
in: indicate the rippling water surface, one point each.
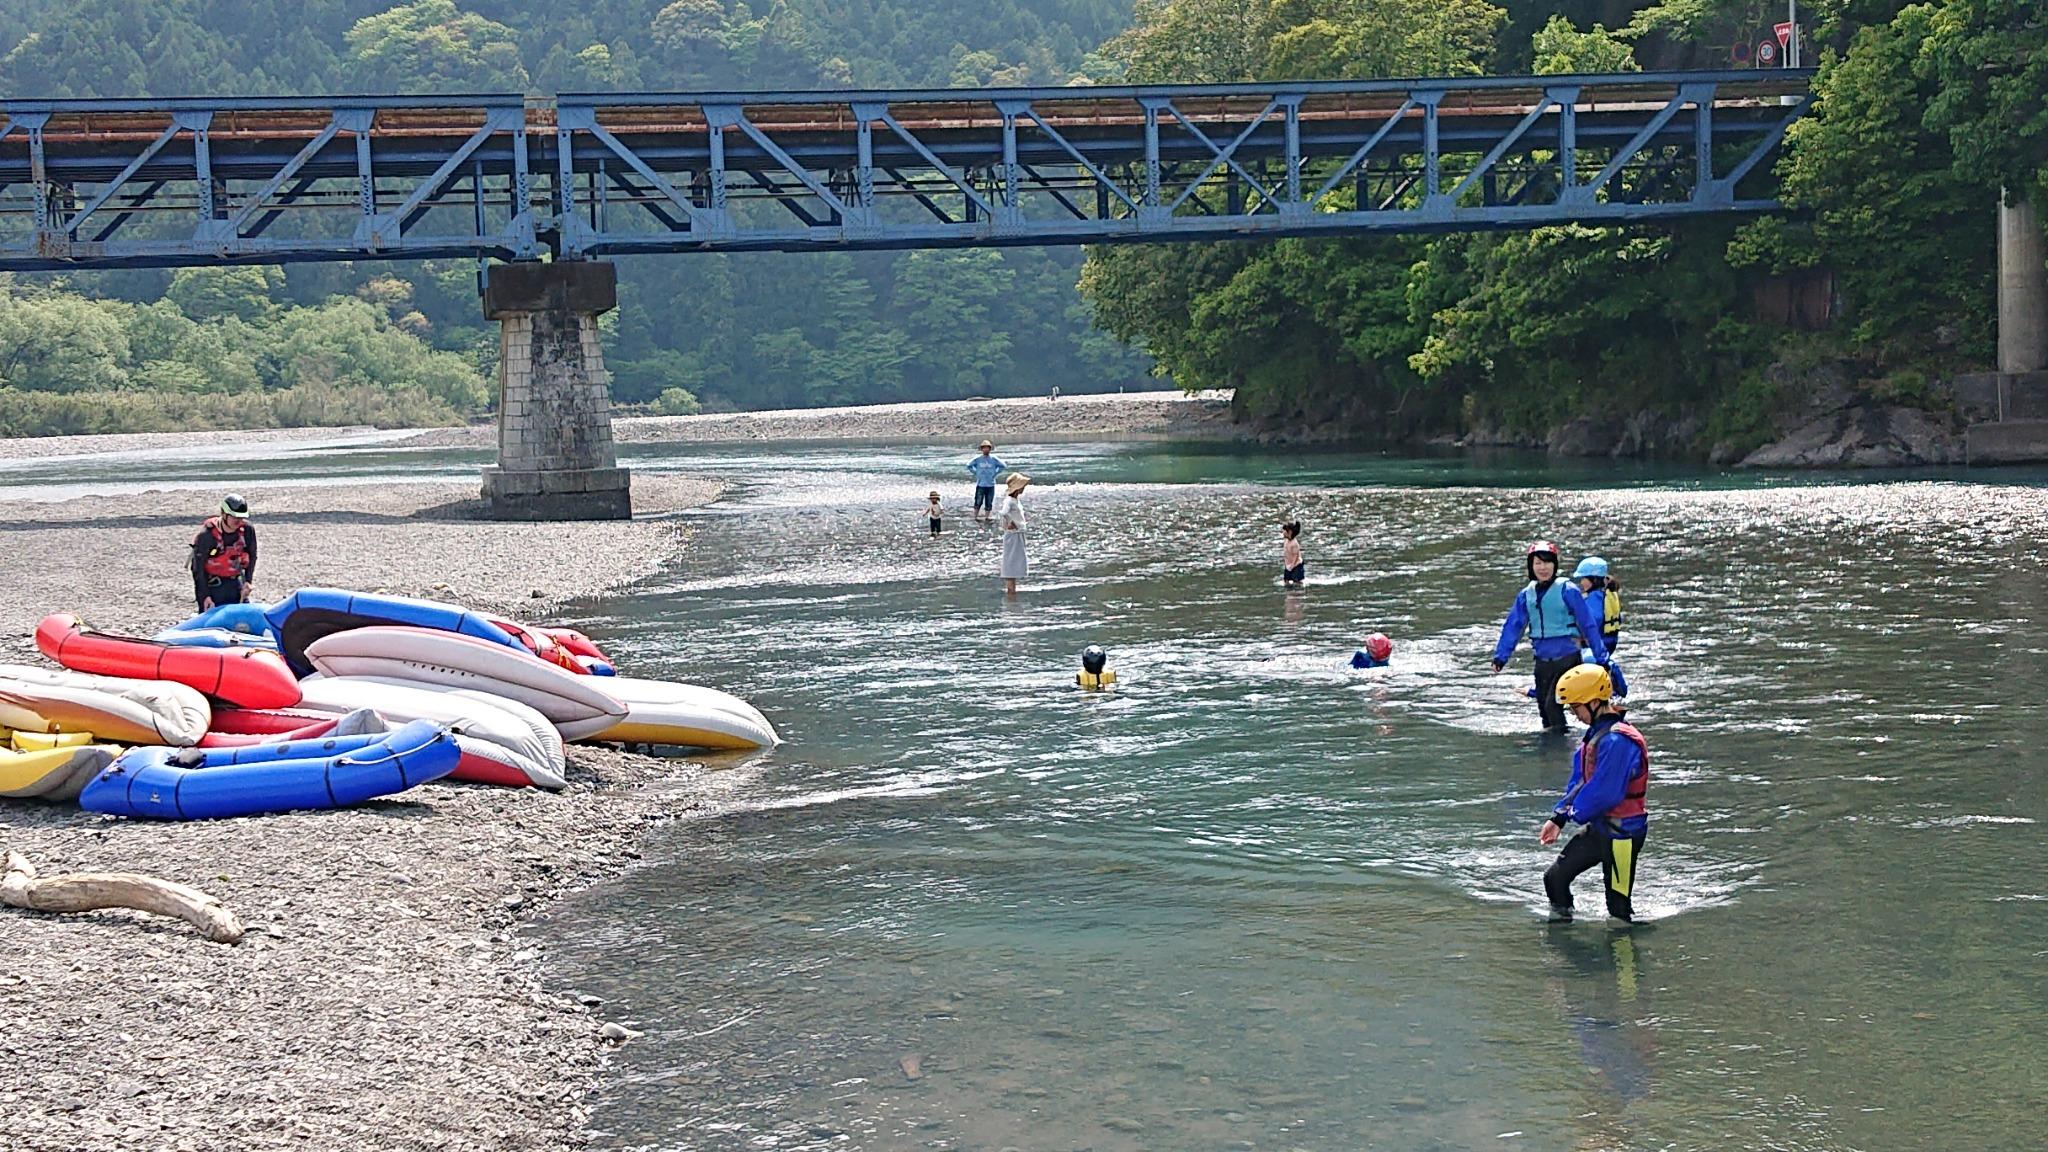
{"type": "Point", "coordinates": [1254, 899]}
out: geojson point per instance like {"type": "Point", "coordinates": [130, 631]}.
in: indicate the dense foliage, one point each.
{"type": "Point", "coordinates": [728, 331]}
{"type": "Point", "coordinates": [1926, 112]}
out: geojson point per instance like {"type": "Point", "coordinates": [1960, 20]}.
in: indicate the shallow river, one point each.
{"type": "Point", "coordinates": [1254, 899]}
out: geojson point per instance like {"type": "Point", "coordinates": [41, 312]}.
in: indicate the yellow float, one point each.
{"type": "Point", "coordinates": [50, 765]}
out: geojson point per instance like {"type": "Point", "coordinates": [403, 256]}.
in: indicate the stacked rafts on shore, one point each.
{"type": "Point", "coordinates": [324, 699]}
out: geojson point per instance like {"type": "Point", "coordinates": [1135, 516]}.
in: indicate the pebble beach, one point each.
{"type": "Point", "coordinates": [384, 997]}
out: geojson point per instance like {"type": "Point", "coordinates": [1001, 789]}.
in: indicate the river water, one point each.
{"type": "Point", "coordinates": [1255, 899]}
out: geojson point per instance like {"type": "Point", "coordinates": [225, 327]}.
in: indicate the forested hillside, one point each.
{"type": "Point", "coordinates": [748, 331]}
{"type": "Point", "coordinates": [1656, 339]}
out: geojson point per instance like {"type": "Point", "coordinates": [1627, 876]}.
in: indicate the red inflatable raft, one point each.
{"type": "Point", "coordinates": [244, 677]}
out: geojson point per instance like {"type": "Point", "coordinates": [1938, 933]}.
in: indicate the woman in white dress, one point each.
{"type": "Point", "coordinates": [1011, 516]}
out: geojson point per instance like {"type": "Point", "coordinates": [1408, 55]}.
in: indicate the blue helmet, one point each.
{"type": "Point", "coordinates": [1590, 566]}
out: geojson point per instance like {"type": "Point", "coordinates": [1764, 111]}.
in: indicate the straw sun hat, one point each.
{"type": "Point", "coordinates": [1016, 483]}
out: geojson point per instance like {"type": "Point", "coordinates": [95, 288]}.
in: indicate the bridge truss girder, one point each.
{"type": "Point", "coordinates": [153, 183]}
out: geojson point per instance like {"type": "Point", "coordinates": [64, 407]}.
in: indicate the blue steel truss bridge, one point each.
{"type": "Point", "coordinates": [140, 183]}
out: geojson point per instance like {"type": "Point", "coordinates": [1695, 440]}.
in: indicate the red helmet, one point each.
{"type": "Point", "coordinates": [1543, 548]}
{"type": "Point", "coordinates": [1378, 646]}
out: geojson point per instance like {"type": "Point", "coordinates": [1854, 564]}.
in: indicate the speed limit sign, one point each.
{"type": "Point", "coordinates": [1767, 54]}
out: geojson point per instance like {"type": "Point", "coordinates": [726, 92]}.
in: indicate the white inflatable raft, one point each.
{"type": "Point", "coordinates": [577, 705]}
{"type": "Point", "coordinates": [111, 708]}
{"type": "Point", "coordinates": [659, 712]}
{"type": "Point", "coordinates": [522, 737]}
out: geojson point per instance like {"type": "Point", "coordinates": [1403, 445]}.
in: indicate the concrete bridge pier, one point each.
{"type": "Point", "coordinates": [2022, 289]}
{"type": "Point", "coordinates": [555, 457]}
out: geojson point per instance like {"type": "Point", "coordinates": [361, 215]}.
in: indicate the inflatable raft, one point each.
{"type": "Point", "coordinates": [311, 613]}
{"type": "Point", "coordinates": [309, 726]}
{"type": "Point", "coordinates": [578, 705]}
{"type": "Point", "coordinates": [240, 619]}
{"type": "Point", "coordinates": [658, 712]}
{"type": "Point", "coordinates": [37, 766]}
{"type": "Point", "coordinates": [528, 749]}
{"type": "Point", "coordinates": [245, 678]}
{"type": "Point", "coordinates": [213, 638]}
{"type": "Point", "coordinates": [128, 711]}
{"type": "Point", "coordinates": [483, 762]}
{"type": "Point", "coordinates": [191, 784]}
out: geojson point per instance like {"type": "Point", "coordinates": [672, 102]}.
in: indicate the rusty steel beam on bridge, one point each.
{"type": "Point", "coordinates": [128, 183]}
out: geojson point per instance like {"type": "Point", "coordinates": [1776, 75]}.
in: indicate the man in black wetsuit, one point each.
{"type": "Point", "coordinates": [224, 556]}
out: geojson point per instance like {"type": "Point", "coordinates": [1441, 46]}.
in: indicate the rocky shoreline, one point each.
{"type": "Point", "coordinates": [383, 997]}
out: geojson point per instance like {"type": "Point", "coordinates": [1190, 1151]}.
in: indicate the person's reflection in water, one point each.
{"type": "Point", "coordinates": [1293, 605]}
{"type": "Point", "coordinates": [1603, 995]}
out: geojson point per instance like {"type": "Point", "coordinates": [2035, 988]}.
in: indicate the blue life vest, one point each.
{"type": "Point", "coordinates": [1549, 616]}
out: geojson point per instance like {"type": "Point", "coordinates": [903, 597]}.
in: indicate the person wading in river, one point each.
{"type": "Point", "coordinates": [1610, 777]}
{"type": "Point", "coordinates": [1012, 518]}
{"type": "Point", "coordinates": [985, 467]}
{"type": "Point", "coordinates": [1553, 614]}
{"type": "Point", "coordinates": [224, 556]}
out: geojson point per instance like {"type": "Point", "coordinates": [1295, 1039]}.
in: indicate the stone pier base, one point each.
{"type": "Point", "coordinates": [555, 456]}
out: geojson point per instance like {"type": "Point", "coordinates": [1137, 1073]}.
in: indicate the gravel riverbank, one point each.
{"type": "Point", "coordinates": [1122, 416]}
{"type": "Point", "coordinates": [384, 999]}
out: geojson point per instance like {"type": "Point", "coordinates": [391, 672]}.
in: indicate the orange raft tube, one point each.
{"type": "Point", "coordinates": [243, 677]}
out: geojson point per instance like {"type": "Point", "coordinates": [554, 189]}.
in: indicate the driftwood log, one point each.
{"type": "Point", "coordinates": [91, 891]}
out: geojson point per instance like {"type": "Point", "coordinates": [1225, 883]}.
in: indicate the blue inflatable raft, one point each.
{"type": "Point", "coordinates": [205, 784]}
{"type": "Point", "coordinates": [310, 613]}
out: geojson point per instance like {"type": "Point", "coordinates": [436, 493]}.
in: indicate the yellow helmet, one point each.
{"type": "Point", "coordinates": [1585, 684]}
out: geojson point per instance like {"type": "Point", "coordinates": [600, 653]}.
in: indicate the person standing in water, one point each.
{"type": "Point", "coordinates": [1597, 585]}
{"type": "Point", "coordinates": [985, 467]}
{"type": "Point", "coordinates": [1554, 616]}
{"type": "Point", "coordinates": [1292, 569]}
{"type": "Point", "coordinates": [1012, 520]}
{"type": "Point", "coordinates": [933, 513]}
{"type": "Point", "coordinates": [223, 561]}
{"type": "Point", "coordinates": [1610, 778]}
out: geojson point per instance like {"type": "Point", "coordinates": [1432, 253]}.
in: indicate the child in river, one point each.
{"type": "Point", "coordinates": [933, 513]}
{"type": "Point", "coordinates": [1292, 569]}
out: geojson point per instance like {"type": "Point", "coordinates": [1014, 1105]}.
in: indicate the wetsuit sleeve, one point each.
{"type": "Point", "coordinates": [1511, 630]}
{"type": "Point", "coordinates": [1615, 765]}
{"type": "Point", "coordinates": [197, 563]}
{"type": "Point", "coordinates": [1589, 620]}
{"type": "Point", "coordinates": [249, 572]}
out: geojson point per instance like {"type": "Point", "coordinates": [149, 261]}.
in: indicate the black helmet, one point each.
{"type": "Point", "coordinates": [233, 505]}
{"type": "Point", "coordinates": [1094, 658]}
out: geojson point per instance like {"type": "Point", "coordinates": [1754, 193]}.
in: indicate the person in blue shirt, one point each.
{"type": "Point", "coordinates": [1376, 652]}
{"type": "Point", "coordinates": [1598, 585]}
{"type": "Point", "coordinates": [1610, 777]}
{"type": "Point", "coordinates": [985, 467]}
{"type": "Point", "coordinates": [1553, 614]}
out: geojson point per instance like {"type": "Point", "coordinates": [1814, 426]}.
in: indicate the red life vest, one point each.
{"type": "Point", "coordinates": [227, 558]}
{"type": "Point", "coordinates": [1638, 785]}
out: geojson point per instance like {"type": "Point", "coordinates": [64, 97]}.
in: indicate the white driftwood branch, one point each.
{"type": "Point", "coordinates": [91, 891]}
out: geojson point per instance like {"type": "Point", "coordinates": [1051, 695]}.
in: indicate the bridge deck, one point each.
{"type": "Point", "coordinates": [138, 182]}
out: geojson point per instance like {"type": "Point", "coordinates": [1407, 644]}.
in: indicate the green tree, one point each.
{"type": "Point", "coordinates": [212, 291]}
{"type": "Point", "coordinates": [1883, 204]}
{"type": "Point", "coordinates": [1986, 62]}
{"type": "Point", "coordinates": [432, 46]}
{"type": "Point", "coordinates": [1559, 47]}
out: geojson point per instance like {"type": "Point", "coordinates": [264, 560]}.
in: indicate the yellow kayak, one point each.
{"type": "Point", "coordinates": [50, 765]}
